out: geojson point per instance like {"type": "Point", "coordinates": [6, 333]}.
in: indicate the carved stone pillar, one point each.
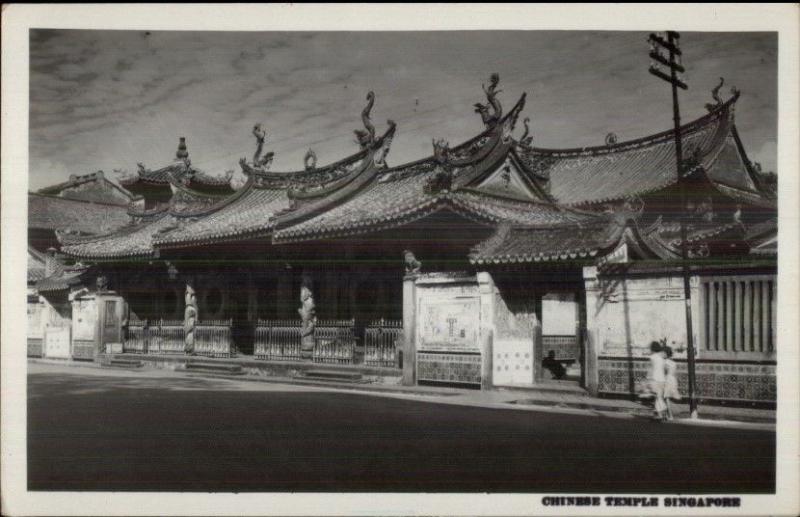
{"type": "Point", "coordinates": [308, 316]}
{"type": "Point", "coordinates": [190, 317]}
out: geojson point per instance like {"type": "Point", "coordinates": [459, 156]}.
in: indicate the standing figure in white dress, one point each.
{"type": "Point", "coordinates": [656, 379]}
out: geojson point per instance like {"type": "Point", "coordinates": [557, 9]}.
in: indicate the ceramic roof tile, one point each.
{"type": "Point", "coordinates": [512, 244]}
{"type": "Point", "coordinates": [61, 280]}
{"type": "Point", "coordinates": [55, 213]}
{"type": "Point", "coordinates": [132, 240]}
{"type": "Point", "coordinates": [250, 212]}
{"type": "Point", "coordinates": [595, 175]}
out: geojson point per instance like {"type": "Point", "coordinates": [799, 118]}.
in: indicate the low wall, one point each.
{"type": "Point", "coordinates": [627, 312]}
{"type": "Point", "coordinates": [715, 380]}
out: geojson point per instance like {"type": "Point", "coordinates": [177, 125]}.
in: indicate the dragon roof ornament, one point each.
{"type": "Point", "coordinates": [490, 119]}
{"type": "Point", "coordinates": [260, 163]}
{"type": "Point", "coordinates": [366, 137]}
{"type": "Point", "coordinates": [715, 96]}
{"type": "Point", "coordinates": [526, 139]}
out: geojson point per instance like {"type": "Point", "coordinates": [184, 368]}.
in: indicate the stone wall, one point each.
{"type": "Point", "coordinates": [627, 312]}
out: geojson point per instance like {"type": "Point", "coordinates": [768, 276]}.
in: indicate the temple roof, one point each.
{"type": "Point", "coordinates": [521, 244]}
{"type": "Point", "coordinates": [62, 279]}
{"type": "Point", "coordinates": [36, 264]}
{"type": "Point", "coordinates": [593, 175]}
{"type": "Point", "coordinates": [90, 187]}
{"type": "Point", "coordinates": [543, 201]}
{"type": "Point", "coordinates": [56, 213]}
{"type": "Point", "coordinates": [137, 238]}
{"type": "Point", "coordinates": [180, 170]}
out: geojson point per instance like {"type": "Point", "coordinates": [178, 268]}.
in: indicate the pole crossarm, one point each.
{"type": "Point", "coordinates": [677, 82]}
{"type": "Point", "coordinates": [661, 59]}
{"type": "Point", "coordinates": [666, 44]}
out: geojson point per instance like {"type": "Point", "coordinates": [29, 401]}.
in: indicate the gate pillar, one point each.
{"type": "Point", "coordinates": [409, 329]}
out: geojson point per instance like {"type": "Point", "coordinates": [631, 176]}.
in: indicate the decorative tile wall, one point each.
{"type": "Point", "coordinates": [82, 349]}
{"type": "Point", "coordinates": [748, 382]}
{"type": "Point", "coordinates": [444, 367]}
{"type": "Point", "coordinates": [34, 347]}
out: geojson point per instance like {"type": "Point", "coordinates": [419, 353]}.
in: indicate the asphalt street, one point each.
{"type": "Point", "coordinates": [129, 432]}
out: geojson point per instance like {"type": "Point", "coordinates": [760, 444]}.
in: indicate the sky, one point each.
{"type": "Point", "coordinates": [105, 100]}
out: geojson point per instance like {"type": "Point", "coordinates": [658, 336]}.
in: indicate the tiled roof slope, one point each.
{"type": "Point", "coordinates": [254, 210]}
{"type": "Point", "coordinates": [514, 244]}
{"type": "Point", "coordinates": [403, 193]}
{"type": "Point", "coordinates": [90, 187]}
{"type": "Point", "coordinates": [251, 212]}
{"type": "Point", "coordinates": [56, 213]}
{"type": "Point", "coordinates": [607, 173]}
{"type": "Point", "coordinates": [63, 279]}
{"type": "Point", "coordinates": [36, 265]}
{"type": "Point", "coordinates": [131, 241]}
{"type": "Point", "coordinates": [180, 170]}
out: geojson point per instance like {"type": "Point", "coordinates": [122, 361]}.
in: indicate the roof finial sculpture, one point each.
{"type": "Point", "coordinates": [310, 160]}
{"type": "Point", "coordinates": [715, 96]}
{"type": "Point", "coordinates": [526, 140]}
{"type": "Point", "coordinates": [259, 162]}
{"type": "Point", "coordinates": [383, 145]}
{"type": "Point", "coordinates": [182, 153]}
{"type": "Point", "coordinates": [490, 119]}
{"type": "Point", "coordinates": [611, 139]}
{"type": "Point", "coordinates": [442, 179]}
{"type": "Point", "coordinates": [412, 265]}
{"type": "Point", "coordinates": [441, 150]}
{"type": "Point", "coordinates": [366, 138]}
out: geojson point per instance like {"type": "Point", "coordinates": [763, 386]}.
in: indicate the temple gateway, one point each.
{"type": "Point", "coordinates": [467, 267]}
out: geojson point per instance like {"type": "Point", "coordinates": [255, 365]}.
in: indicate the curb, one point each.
{"type": "Point", "coordinates": [453, 396]}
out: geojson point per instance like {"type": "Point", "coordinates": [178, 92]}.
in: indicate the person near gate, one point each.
{"type": "Point", "coordinates": [553, 365]}
{"type": "Point", "coordinates": [656, 379]}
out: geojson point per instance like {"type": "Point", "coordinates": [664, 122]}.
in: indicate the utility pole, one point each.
{"type": "Point", "coordinates": [670, 45]}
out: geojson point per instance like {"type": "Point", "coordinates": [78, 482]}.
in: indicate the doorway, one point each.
{"type": "Point", "coordinates": [562, 357]}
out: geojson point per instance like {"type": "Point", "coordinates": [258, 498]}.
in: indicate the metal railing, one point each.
{"type": "Point", "coordinates": [334, 342]}
{"type": "Point", "coordinates": [277, 340]}
{"type": "Point", "coordinates": [381, 340]}
{"type": "Point", "coordinates": [565, 347]}
{"type": "Point", "coordinates": [136, 340]}
{"type": "Point", "coordinates": [213, 338]}
{"type": "Point", "coordinates": [154, 337]}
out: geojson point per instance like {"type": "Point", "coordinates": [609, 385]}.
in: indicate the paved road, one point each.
{"type": "Point", "coordinates": [116, 431]}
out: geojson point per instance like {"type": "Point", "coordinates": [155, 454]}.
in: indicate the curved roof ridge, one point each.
{"type": "Point", "coordinates": [248, 170]}
{"type": "Point", "coordinates": [395, 172]}
{"type": "Point", "coordinates": [354, 182]}
{"type": "Point", "coordinates": [66, 239]}
{"type": "Point", "coordinates": [695, 125]}
{"type": "Point", "coordinates": [222, 203]}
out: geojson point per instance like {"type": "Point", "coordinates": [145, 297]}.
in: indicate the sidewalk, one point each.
{"type": "Point", "coordinates": [551, 398]}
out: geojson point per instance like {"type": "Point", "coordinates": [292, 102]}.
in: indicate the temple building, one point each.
{"type": "Point", "coordinates": [467, 267]}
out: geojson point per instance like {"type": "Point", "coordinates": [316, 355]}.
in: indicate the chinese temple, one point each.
{"type": "Point", "coordinates": [467, 267]}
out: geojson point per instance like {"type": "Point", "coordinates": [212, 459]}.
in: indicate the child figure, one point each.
{"type": "Point", "coordinates": [670, 381]}
{"type": "Point", "coordinates": [656, 379]}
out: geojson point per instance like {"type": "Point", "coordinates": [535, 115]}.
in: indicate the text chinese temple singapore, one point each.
{"type": "Point", "coordinates": [464, 267]}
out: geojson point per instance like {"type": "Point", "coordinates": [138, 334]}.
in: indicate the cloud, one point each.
{"type": "Point", "coordinates": [109, 99]}
{"type": "Point", "coordinates": [766, 155]}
